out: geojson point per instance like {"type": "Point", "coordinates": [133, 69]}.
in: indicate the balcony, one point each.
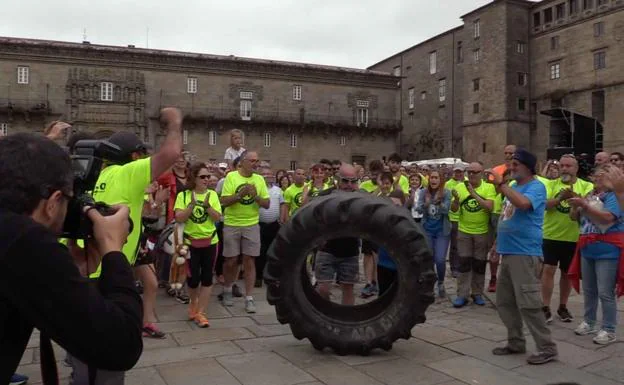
{"type": "Point", "coordinates": [29, 108]}
{"type": "Point", "coordinates": [289, 119]}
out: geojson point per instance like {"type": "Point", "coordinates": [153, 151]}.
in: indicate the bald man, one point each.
{"type": "Point", "coordinates": [601, 158]}
{"type": "Point", "coordinates": [509, 151]}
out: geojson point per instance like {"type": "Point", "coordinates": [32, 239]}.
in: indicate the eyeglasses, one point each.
{"type": "Point", "coordinates": [203, 176]}
{"type": "Point", "coordinates": [349, 180]}
{"type": "Point", "coordinates": [614, 160]}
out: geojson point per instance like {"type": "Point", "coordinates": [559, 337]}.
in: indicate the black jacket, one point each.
{"type": "Point", "coordinates": [40, 287]}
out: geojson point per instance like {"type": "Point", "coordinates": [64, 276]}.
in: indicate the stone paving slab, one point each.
{"type": "Point", "coordinates": [560, 372]}
{"type": "Point", "coordinates": [611, 368]}
{"type": "Point", "coordinates": [341, 374]}
{"type": "Point", "coordinates": [269, 330]}
{"type": "Point", "coordinates": [197, 372]}
{"type": "Point", "coordinates": [403, 372]}
{"type": "Point", "coordinates": [202, 336]}
{"type": "Point", "coordinates": [144, 376]}
{"type": "Point", "coordinates": [270, 343]}
{"type": "Point", "coordinates": [474, 371]}
{"type": "Point", "coordinates": [186, 353]}
{"type": "Point", "coordinates": [263, 368]}
{"type": "Point", "coordinates": [437, 334]}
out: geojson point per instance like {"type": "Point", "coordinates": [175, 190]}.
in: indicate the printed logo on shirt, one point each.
{"type": "Point", "coordinates": [433, 211]}
{"type": "Point", "coordinates": [199, 215]}
{"type": "Point", "coordinates": [245, 199]}
{"type": "Point", "coordinates": [563, 206]}
{"type": "Point", "coordinates": [100, 188]}
{"type": "Point", "coordinates": [298, 199]}
{"type": "Point", "coordinates": [508, 211]}
{"type": "Point", "coordinates": [471, 205]}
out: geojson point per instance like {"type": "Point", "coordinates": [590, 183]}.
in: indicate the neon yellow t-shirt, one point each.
{"type": "Point", "coordinates": [314, 192]}
{"type": "Point", "coordinates": [368, 186]}
{"type": "Point", "coordinates": [498, 204]}
{"type": "Point", "coordinates": [557, 223]}
{"type": "Point", "coordinates": [199, 224]}
{"type": "Point", "coordinates": [473, 219]}
{"type": "Point", "coordinates": [450, 185]}
{"type": "Point", "coordinates": [245, 212]}
{"type": "Point", "coordinates": [293, 196]}
{"type": "Point", "coordinates": [126, 185]}
{"type": "Point", "coordinates": [403, 183]}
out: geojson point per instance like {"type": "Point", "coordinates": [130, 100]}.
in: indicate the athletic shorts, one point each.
{"type": "Point", "coordinates": [244, 240]}
{"type": "Point", "coordinates": [343, 270]}
{"type": "Point", "coordinates": [558, 253]}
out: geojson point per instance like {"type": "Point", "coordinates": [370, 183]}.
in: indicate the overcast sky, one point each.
{"type": "Point", "coordinates": [350, 33]}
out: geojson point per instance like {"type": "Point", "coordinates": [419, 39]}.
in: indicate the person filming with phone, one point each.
{"type": "Point", "coordinates": [43, 285]}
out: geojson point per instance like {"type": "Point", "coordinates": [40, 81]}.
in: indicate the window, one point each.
{"type": "Point", "coordinates": [184, 136]}
{"type": "Point", "coordinates": [191, 85]}
{"type": "Point", "coordinates": [361, 103]}
{"type": "Point", "coordinates": [245, 109]}
{"type": "Point", "coordinates": [246, 95]}
{"type": "Point", "coordinates": [475, 108]}
{"type": "Point", "coordinates": [548, 15]}
{"type": "Point", "coordinates": [343, 141]}
{"type": "Point", "coordinates": [106, 91]}
{"type": "Point", "coordinates": [293, 165]}
{"type": "Point", "coordinates": [460, 52]}
{"type": "Point", "coordinates": [267, 139]}
{"type": "Point", "coordinates": [599, 29]}
{"type": "Point", "coordinates": [522, 78]}
{"type": "Point", "coordinates": [601, 2]}
{"type": "Point", "coordinates": [554, 43]}
{"type": "Point", "coordinates": [362, 116]}
{"type": "Point", "coordinates": [477, 28]}
{"type": "Point", "coordinates": [600, 60]}
{"type": "Point", "coordinates": [296, 92]}
{"type": "Point", "coordinates": [587, 4]}
{"type": "Point", "coordinates": [212, 138]}
{"type": "Point", "coordinates": [560, 11]}
{"type": "Point", "coordinates": [476, 54]}
{"type": "Point", "coordinates": [22, 75]}
{"type": "Point", "coordinates": [293, 140]}
{"type": "Point", "coordinates": [411, 97]}
{"type": "Point", "coordinates": [555, 71]}
{"type": "Point", "coordinates": [520, 47]}
{"type": "Point", "coordinates": [423, 95]}
{"type": "Point", "coordinates": [433, 62]}
{"type": "Point", "coordinates": [536, 19]}
{"type": "Point", "coordinates": [396, 71]}
{"type": "Point", "coordinates": [4, 129]}
{"type": "Point", "coordinates": [573, 6]}
{"type": "Point", "coordinates": [476, 84]}
{"type": "Point", "coordinates": [521, 104]}
{"type": "Point", "coordinates": [442, 89]}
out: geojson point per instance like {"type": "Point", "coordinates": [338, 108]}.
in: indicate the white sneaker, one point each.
{"type": "Point", "coordinates": [250, 306]}
{"type": "Point", "coordinates": [584, 329]}
{"type": "Point", "coordinates": [604, 338]}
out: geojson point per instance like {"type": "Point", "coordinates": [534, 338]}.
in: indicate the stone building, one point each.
{"type": "Point", "coordinates": [538, 74]}
{"type": "Point", "coordinates": [293, 114]}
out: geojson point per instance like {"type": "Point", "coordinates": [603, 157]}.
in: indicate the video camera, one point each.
{"type": "Point", "coordinates": [87, 161]}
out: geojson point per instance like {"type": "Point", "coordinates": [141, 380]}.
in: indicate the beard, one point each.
{"type": "Point", "coordinates": [566, 178]}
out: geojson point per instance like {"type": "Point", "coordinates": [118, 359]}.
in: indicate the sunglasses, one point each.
{"type": "Point", "coordinates": [349, 180]}
{"type": "Point", "coordinates": [203, 176]}
{"type": "Point", "coordinates": [474, 172]}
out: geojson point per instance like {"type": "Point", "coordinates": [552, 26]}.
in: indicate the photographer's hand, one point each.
{"type": "Point", "coordinates": [110, 232]}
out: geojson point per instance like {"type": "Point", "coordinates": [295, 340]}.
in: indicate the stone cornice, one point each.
{"type": "Point", "coordinates": [192, 63]}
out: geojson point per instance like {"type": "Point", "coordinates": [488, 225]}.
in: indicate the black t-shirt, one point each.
{"type": "Point", "coordinates": [340, 247]}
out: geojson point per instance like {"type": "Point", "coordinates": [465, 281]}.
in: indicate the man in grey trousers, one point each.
{"type": "Point", "coordinates": [518, 293]}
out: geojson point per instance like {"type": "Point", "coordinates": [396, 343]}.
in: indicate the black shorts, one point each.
{"type": "Point", "coordinates": [558, 253]}
{"type": "Point", "coordinates": [369, 247]}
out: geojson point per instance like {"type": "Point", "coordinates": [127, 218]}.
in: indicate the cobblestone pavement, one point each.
{"type": "Point", "coordinates": [452, 348]}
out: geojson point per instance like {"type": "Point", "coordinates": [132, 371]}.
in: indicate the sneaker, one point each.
{"type": "Point", "coordinates": [375, 288]}
{"type": "Point", "coordinates": [201, 320]}
{"type": "Point", "coordinates": [478, 300]}
{"type": "Point", "coordinates": [367, 291]}
{"type": "Point", "coordinates": [250, 306]}
{"type": "Point", "coordinates": [460, 302]}
{"type": "Point", "coordinates": [455, 273]}
{"type": "Point", "coordinates": [227, 298]}
{"type": "Point", "coordinates": [541, 358]}
{"type": "Point", "coordinates": [585, 328]}
{"type": "Point", "coordinates": [236, 291]}
{"type": "Point", "coordinates": [182, 297]}
{"type": "Point", "coordinates": [150, 330]}
{"type": "Point", "coordinates": [492, 286]}
{"type": "Point", "coordinates": [18, 379]}
{"type": "Point", "coordinates": [506, 351]}
{"type": "Point", "coordinates": [171, 291]}
{"type": "Point", "coordinates": [564, 314]}
{"type": "Point", "coordinates": [604, 338]}
{"type": "Point", "coordinates": [441, 290]}
{"type": "Point", "coordinates": [547, 314]}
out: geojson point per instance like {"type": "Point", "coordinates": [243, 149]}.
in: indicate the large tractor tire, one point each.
{"type": "Point", "coordinates": [350, 329]}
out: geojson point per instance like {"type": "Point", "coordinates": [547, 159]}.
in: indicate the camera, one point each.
{"type": "Point", "coordinates": [87, 162]}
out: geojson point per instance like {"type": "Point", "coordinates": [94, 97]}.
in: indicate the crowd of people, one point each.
{"type": "Point", "coordinates": [523, 223]}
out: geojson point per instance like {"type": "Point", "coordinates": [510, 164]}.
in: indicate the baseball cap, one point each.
{"type": "Point", "coordinates": [128, 142]}
{"type": "Point", "coordinates": [458, 167]}
{"type": "Point", "coordinates": [223, 165]}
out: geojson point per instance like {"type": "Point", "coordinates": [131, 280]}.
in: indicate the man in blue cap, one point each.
{"type": "Point", "coordinates": [519, 242]}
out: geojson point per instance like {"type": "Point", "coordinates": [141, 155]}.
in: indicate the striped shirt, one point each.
{"type": "Point", "coordinates": [272, 214]}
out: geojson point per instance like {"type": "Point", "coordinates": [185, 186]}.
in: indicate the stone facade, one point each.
{"type": "Point", "coordinates": [293, 114]}
{"type": "Point", "coordinates": [513, 76]}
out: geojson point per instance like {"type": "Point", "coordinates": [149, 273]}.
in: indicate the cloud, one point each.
{"type": "Point", "coordinates": [346, 33]}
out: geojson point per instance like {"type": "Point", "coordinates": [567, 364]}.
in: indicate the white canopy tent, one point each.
{"type": "Point", "coordinates": [436, 162]}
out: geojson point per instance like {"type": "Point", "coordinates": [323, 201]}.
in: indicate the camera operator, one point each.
{"type": "Point", "coordinates": [125, 182]}
{"type": "Point", "coordinates": [42, 285]}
